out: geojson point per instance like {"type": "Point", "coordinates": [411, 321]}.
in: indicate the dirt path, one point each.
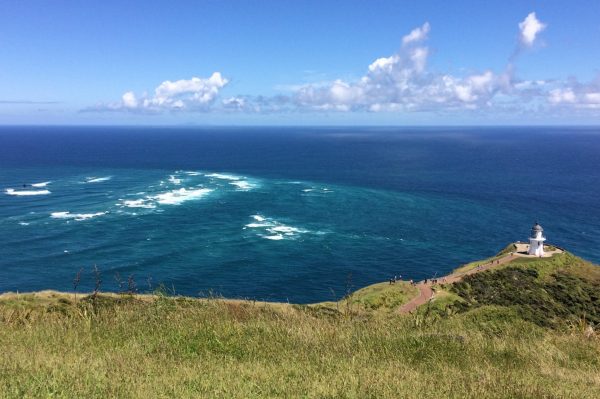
{"type": "Point", "coordinates": [426, 291]}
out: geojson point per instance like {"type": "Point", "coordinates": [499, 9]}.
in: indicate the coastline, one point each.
{"type": "Point", "coordinates": [408, 296]}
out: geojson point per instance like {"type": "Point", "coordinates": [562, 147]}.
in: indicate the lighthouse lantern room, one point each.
{"type": "Point", "coordinates": [536, 241]}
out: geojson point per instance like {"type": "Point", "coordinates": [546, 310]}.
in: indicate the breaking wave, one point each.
{"type": "Point", "coordinates": [76, 216]}
{"type": "Point", "coordinates": [12, 191]}
{"type": "Point", "coordinates": [97, 179]}
{"type": "Point", "coordinates": [223, 176]}
{"type": "Point", "coordinates": [173, 197]}
{"type": "Point", "coordinates": [177, 197]}
{"type": "Point", "coordinates": [174, 180]}
{"type": "Point", "coordinates": [271, 229]}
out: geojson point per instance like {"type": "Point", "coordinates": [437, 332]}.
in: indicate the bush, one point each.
{"type": "Point", "coordinates": [546, 302]}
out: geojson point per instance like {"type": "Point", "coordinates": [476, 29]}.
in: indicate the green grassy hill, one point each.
{"type": "Point", "coordinates": [524, 330]}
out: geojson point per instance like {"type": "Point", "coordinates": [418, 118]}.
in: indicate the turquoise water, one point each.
{"type": "Point", "coordinates": [283, 214]}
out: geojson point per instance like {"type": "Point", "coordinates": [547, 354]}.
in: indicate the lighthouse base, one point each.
{"type": "Point", "coordinates": [536, 247]}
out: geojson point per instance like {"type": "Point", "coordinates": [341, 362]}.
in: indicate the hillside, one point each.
{"type": "Point", "coordinates": [522, 329]}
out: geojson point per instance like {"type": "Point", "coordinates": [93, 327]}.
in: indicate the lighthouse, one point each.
{"type": "Point", "coordinates": [536, 241]}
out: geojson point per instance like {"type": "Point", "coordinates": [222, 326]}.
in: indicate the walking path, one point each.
{"type": "Point", "coordinates": [426, 288]}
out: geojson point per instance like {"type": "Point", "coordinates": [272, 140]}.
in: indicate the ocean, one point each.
{"type": "Point", "coordinates": [283, 214]}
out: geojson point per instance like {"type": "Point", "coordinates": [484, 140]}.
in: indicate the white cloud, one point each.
{"type": "Point", "coordinates": [530, 27]}
{"type": "Point", "coordinates": [129, 100]}
{"type": "Point", "coordinates": [383, 64]}
{"type": "Point", "coordinates": [195, 90]}
{"type": "Point", "coordinates": [417, 34]}
{"type": "Point", "coordinates": [195, 94]}
{"type": "Point", "coordinates": [576, 95]}
{"type": "Point", "coordinates": [559, 96]}
{"type": "Point", "coordinates": [401, 82]}
{"type": "Point", "coordinates": [593, 98]}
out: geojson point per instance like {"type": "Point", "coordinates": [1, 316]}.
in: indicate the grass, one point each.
{"type": "Point", "coordinates": [382, 297]}
{"type": "Point", "coordinates": [177, 347]}
{"type": "Point", "coordinates": [154, 346]}
{"type": "Point", "coordinates": [472, 265]}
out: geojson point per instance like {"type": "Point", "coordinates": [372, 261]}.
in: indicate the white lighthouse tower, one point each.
{"type": "Point", "coordinates": [536, 241]}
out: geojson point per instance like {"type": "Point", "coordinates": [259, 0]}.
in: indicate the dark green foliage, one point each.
{"type": "Point", "coordinates": [545, 302]}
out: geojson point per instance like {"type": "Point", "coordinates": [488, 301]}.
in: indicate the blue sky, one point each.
{"type": "Point", "coordinates": [303, 62]}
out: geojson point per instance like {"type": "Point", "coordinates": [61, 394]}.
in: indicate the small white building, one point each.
{"type": "Point", "coordinates": [536, 241]}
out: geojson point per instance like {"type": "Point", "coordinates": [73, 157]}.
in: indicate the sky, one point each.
{"type": "Point", "coordinates": [299, 62]}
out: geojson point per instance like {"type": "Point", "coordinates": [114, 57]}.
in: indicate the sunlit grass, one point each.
{"type": "Point", "coordinates": [124, 346]}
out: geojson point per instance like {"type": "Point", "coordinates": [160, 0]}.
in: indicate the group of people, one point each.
{"type": "Point", "coordinates": [411, 281]}
{"type": "Point", "coordinates": [395, 278]}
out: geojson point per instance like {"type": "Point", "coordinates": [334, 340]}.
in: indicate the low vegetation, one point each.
{"type": "Point", "coordinates": [482, 341]}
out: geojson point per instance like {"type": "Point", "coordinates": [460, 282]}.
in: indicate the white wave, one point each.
{"type": "Point", "coordinates": [223, 176]}
{"type": "Point", "coordinates": [273, 230]}
{"type": "Point", "coordinates": [257, 225]}
{"type": "Point", "coordinates": [321, 190]}
{"type": "Point", "coordinates": [76, 216]}
{"type": "Point", "coordinates": [138, 203]}
{"type": "Point", "coordinates": [176, 197]}
{"type": "Point", "coordinates": [97, 179]}
{"type": "Point", "coordinates": [42, 184]}
{"type": "Point", "coordinates": [174, 180]}
{"type": "Point", "coordinates": [24, 223]}
{"type": "Point", "coordinates": [12, 191]}
{"type": "Point", "coordinates": [191, 173]}
{"type": "Point", "coordinates": [274, 237]}
{"type": "Point", "coordinates": [287, 230]}
{"type": "Point", "coordinates": [242, 185]}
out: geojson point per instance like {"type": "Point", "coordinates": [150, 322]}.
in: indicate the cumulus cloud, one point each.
{"type": "Point", "coordinates": [195, 94]}
{"type": "Point", "coordinates": [401, 82]}
{"type": "Point", "coordinates": [530, 27]}
{"type": "Point", "coordinates": [129, 100]}
{"type": "Point", "coordinates": [576, 95]}
{"type": "Point", "coordinates": [417, 35]}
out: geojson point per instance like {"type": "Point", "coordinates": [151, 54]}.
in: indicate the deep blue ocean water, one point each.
{"type": "Point", "coordinates": [282, 214]}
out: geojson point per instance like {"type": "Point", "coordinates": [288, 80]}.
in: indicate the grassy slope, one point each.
{"type": "Point", "coordinates": [472, 265]}
{"type": "Point", "coordinates": [374, 300]}
{"type": "Point", "coordinates": [155, 346]}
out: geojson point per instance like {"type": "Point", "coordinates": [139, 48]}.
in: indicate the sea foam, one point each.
{"type": "Point", "coordinates": [138, 203]}
{"type": "Point", "coordinates": [12, 191]}
{"type": "Point", "coordinates": [42, 184]}
{"type": "Point", "coordinates": [174, 179]}
{"type": "Point", "coordinates": [177, 197]}
{"type": "Point", "coordinates": [242, 185]}
{"type": "Point", "coordinates": [274, 230]}
{"type": "Point", "coordinates": [97, 179]}
{"type": "Point", "coordinates": [223, 176]}
{"type": "Point", "coordinates": [76, 216]}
